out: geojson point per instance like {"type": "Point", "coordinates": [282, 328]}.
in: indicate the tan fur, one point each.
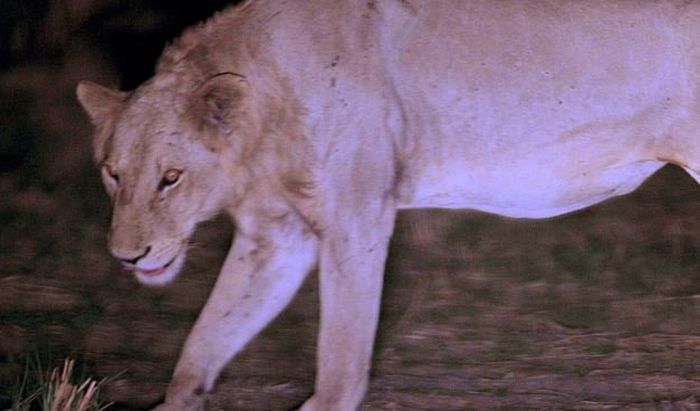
{"type": "Point", "coordinates": [312, 122]}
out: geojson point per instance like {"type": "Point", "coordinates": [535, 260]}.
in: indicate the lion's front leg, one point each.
{"type": "Point", "coordinates": [270, 258]}
{"type": "Point", "coordinates": [351, 275]}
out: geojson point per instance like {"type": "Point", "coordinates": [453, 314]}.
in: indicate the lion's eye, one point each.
{"type": "Point", "coordinates": [170, 177]}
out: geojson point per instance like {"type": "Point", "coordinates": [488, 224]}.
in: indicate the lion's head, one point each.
{"type": "Point", "coordinates": [165, 161]}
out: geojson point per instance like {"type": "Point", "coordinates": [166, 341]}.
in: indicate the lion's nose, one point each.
{"type": "Point", "coordinates": [136, 259]}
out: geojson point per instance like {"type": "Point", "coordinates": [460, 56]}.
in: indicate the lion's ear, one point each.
{"type": "Point", "coordinates": [216, 102]}
{"type": "Point", "coordinates": [100, 103]}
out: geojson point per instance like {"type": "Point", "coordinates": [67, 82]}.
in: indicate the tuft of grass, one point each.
{"type": "Point", "coordinates": [58, 390]}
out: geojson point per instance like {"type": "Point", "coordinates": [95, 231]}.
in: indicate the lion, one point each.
{"type": "Point", "coordinates": [311, 123]}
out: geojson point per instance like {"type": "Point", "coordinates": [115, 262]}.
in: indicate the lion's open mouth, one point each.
{"type": "Point", "coordinates": [154, 272]}
{"type": "Point", "coordinates": [160, 275]}
{"type": "Point", "coordinates": [150, 272]}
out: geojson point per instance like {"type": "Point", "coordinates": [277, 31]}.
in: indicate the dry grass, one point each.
{"type": "Point", "coordinates": [65, 396]}
{"type": "Point", "coordinates": [61, 391]}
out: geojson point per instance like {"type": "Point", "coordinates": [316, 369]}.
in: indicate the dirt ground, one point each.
{"type": "Point", "coordinates": [599, 310]}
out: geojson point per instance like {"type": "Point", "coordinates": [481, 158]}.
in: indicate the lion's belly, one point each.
{"type": "Point", "coordinates": [528, 155]}
{"type": "Point", "coordinates": [527, 192]}
{"type": "Point", "coordinates": [533, 167]}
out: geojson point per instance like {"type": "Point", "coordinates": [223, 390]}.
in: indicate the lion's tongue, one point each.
{"type": "Point", "coordinates": [151, 273]}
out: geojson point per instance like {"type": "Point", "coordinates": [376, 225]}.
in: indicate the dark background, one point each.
{"type": "Point", "coordinates": [594, 311]}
